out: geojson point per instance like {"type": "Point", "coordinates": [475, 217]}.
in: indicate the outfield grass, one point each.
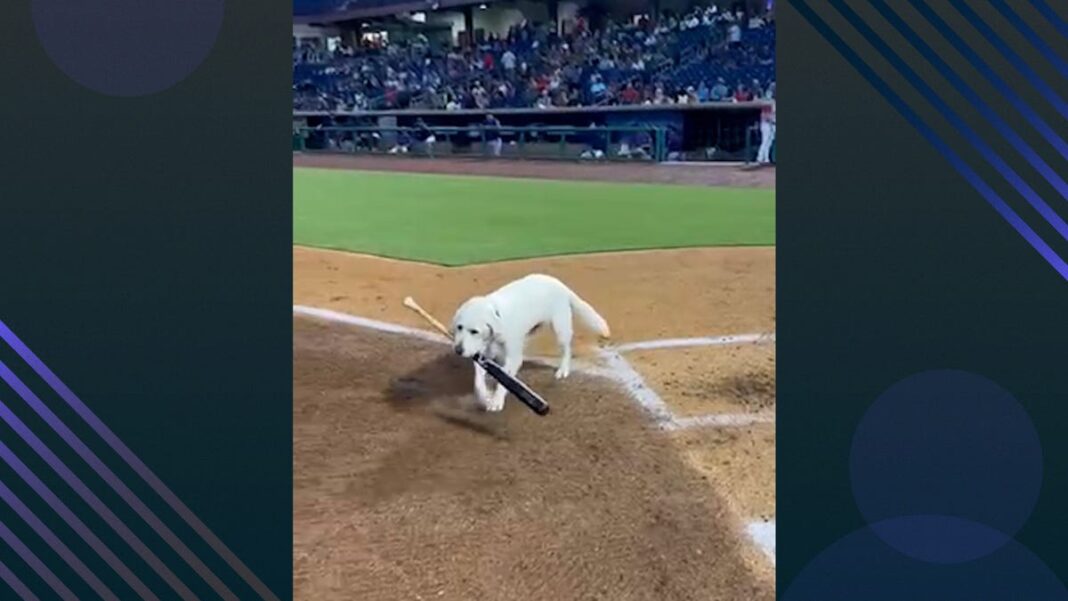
{"type": "Point", "coordinates": [457, 220]}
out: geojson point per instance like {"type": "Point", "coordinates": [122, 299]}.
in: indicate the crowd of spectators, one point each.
{"type": "Point", "coordinates": [704, 55]}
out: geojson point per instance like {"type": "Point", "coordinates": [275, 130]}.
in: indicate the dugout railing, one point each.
{"type": "Point", "coordinates": [723, 131]}
{"type": "Point", "coordinates": [528, 142]}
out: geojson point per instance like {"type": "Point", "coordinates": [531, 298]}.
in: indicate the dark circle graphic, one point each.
{"type": "Point", "coordinates": [951, 455]}
{"type": "Point", "coordinates": [862, 566]}
{"type": "Point", "coordinates": [939, 539]}
{"type": "Point", "coordinates": [127, 47]}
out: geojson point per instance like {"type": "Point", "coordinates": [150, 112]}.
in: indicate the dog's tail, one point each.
{"type": "Point", "coordinates": [589, 315]}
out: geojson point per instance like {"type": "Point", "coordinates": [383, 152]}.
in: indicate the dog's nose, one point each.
{"type": "Point", "coordinates": [459, 349]}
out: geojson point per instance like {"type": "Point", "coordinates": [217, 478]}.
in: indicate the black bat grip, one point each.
{"type": "Point", "coordinates": [514, 386]}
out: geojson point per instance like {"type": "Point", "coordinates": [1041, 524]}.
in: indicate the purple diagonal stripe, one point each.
{"type": "Point", "coordinates": [1031, 35]}
{"type": "Point", "coordinates": [135, 463]}
{"type": "Point", "coordinates": [988, 194]}
{"type": "Point", "coordinates": [1019, 63]}
{"type": "Point", "coordinates": [42, 570]}
{"type": "Point", "coordinates": [57, 545]}
{"type": "Point", "coordinates": [75, 523]}
{"type": "Point", "coordinates": [1006, 90]}
{"type": "Point", "coordinates": [16, 585]}
{"type": "Point", "coordinates": [1051, 16]}
{"type": "Point", "coordinates": [927, 92]}
{"type": "Point", "coordinates": [965, 90]}
{"type": "Point", "coordinates": [114, 482]}
{"type": "Point", "coordinates": [93, 501]}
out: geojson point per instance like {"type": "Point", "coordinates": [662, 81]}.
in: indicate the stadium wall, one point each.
{"type": "Point", "coordinates": [706, 132]}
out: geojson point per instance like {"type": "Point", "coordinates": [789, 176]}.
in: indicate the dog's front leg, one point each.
{"type": "Point", "coordinates": [513, 360]}
{"type": "Point", "coordinates": [481, 391]}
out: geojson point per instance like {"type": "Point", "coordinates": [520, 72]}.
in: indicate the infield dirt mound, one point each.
{"type": "Point", "coordinates": [400, 493]}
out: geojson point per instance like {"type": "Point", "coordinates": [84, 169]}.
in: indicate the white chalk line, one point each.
{"type": "Point", "coordinates": [370, 324]}
{"type": "Point", "coordinates": [631, 381]}
{"type": "Point", "coordinates": [763, 534]}
{"type": "Point", "coordinates": [737, 339]}
{"type": "Point", "coordinates": [617, 369]}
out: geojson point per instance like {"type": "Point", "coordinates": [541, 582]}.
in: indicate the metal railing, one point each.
{"type": "Point", "coordinates": [527, 142]}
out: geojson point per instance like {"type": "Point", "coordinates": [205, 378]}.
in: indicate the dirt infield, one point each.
{"type": "Point", "coordinates": [404, 491]}
{"type": "Point", "coordinates": [708, 291]}
{"type": "Point", "coordinates": [400, 494]}
{"type": "Point", "coordinates": [696, 174]}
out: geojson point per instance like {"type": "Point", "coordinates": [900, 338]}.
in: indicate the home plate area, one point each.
{"type": "Point", "coordinates": [652, 478]}
{"type": "Point", "coordinates": [623, 492]}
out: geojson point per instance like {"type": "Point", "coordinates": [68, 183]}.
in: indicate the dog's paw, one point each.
{"type": "Point", "coordinates": [563, 372]}
{"type": "Point", "coordinates": [494, 405]}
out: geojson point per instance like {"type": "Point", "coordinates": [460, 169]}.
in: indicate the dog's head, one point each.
{"type": "Point", "coordinates": [474, 326]}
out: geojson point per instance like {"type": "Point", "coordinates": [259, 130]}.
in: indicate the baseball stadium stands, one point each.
{"type": "Point", "coordinates": [702, 55]}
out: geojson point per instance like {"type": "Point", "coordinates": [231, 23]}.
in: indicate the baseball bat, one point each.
{"type": "Point", "coordinates": [515, 386]}
{"type": "Point", "coordinates": [511, 383]}
{"type": "Point", "coordinates": [414, 306]}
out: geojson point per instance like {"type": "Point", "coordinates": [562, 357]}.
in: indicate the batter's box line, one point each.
{"type": "Point", "coordinates": [615, 368]}
{"type": "Point", "coordinates": [668, 343]}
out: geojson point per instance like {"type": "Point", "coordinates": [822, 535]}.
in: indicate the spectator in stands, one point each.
{"type": "Point", "coordinates": [598, 89]}
{"type": "Point", "coordinates": [659, 97]}
{"type": "Point", "coordinates": [734, 35]}
{"type": "Point", "coordinates": [720, 91]}
{"type": "Point", "coordinates": [742, 93]}
{"type": "Point", "coordinates": [629, 94]}
{"type": "Point", "coordinates": [508, 61]}
{"type": "Point", "coordinates": [514, 70]}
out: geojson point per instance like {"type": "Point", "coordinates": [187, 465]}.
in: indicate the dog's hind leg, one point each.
{"type": "Point", "coordinates": [563, 329]}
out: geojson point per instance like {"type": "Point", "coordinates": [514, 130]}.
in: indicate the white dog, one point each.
{"type": "Point", "coordinates": [497, 326]}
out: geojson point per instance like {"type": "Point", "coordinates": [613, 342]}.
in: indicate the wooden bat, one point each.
{"type": "Point", "coordinates": [511, 383]}
{"type": "Point", "coordinates": [414, 306]}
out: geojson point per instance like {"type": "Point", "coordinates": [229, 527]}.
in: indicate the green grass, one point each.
{"type": "Point", "coordinates": [458, 220]}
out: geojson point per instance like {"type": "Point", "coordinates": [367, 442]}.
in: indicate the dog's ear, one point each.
{"type": "Point", "coordinates": [494, 321]}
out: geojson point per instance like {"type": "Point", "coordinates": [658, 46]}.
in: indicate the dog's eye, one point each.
{"type": "Point", "coordinates": [475, 332]}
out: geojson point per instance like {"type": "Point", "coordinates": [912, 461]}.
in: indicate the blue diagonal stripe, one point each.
{"type": "Point", "coordinates": [55, 543]}
{"type": "Point", "coordinates": [1006, 90]}
{"type": "Point", "coordinates": [74, 522]}
{"type": "Point", "coordinates": [1051, 15]}
{"type": "Point", "coordinates": [115, 483]}
{"type": "Point", "coordinates": [16, 585]}
{"type": "Point", "coordinates": [1031, 35]}
{"type": "Point", "coordinates": [954, 159]}
{"type": "Point", "coordinates": [984, 149]}
{"type": "Point", "coordinates": [965, 90]}
{"type": "Point", "coordinates": [135, 463]}
{"type": "Point", "coordinates": [94, 501]}
{"type": "Point", "coordinates": [36, 564]}
{"type": "Point", "coordinates": [1020, 64]}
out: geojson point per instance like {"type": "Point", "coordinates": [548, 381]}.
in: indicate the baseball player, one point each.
{"type": "Point", "coordinates": [767, 132]}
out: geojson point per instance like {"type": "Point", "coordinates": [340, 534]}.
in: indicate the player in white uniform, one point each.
{"type": "Point", "coordinates": [767, 132]}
